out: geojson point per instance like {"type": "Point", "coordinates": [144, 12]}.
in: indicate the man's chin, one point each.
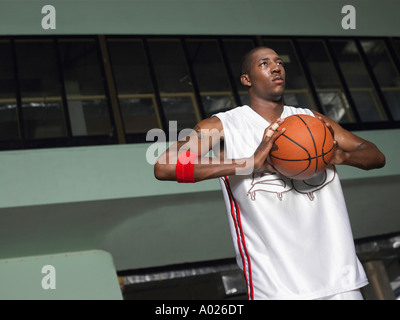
{"type": "Point", "coordinates": [277, 97]}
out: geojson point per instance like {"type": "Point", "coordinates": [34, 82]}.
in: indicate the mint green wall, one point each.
{"type": "Point", "coordinates": [106, 197]}
{"type": "Point", "coordinates": [61, 175]}
{"type": "Point", "coordinates": [389, 143]}
{"type": "Point", "coordinates": [219, 17]}
{"type": "Point", "coordinates": [87, 275]}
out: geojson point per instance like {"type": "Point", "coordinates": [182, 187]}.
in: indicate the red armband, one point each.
{"type": "Point", "coordinates": [185, 167]}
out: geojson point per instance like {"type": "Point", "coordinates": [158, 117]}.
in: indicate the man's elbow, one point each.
{"type": "Point", "coordinates": [161, 172]}
{"type": "Point", "coordinates": [382, 161]}
{"type": "Point", "coordinates": [158, 172]}
{"type": "Point", "coordinates": [377, 158]}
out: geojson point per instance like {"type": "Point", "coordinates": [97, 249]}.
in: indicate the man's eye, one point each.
{"type": "Point", "coordinates": [280, 63]}
{"type": "Point", "coordinates": [263, 63]}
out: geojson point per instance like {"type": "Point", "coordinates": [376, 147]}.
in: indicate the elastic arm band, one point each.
{"type": "Point", "coordinates": [185, 167]}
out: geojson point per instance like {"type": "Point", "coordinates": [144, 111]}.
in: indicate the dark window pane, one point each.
{"type": "Point", "coordinates": [90, 116]}
{"type": "Point", "coordinates": [393, 99]}
{"type": "Point", "coordinates": [7, 79]}
{"type": "Point", "coordinates": [180, 109]}
{"type": "Point", "coordinates": [380, 62]}
{"type": "Point", "coordinates": [235, 51]}
{"type": "Point", "coordinates": [129, 66]}
{"type": "Point", "coordinates": [174, 82]}
{"type": "Point", "coordinates": [40, 89]}
{"type": "Point", "coordinates": [42, 119]}
{"type": "Point", "coordinates": [84, 86]}
{"type": "Point", "coordinates": [138, 114]}
{"type": "Point", "coordinates": [170, 66]}
{"type": "Point", "coordinates": [37, 67]}
{"type": "Point", "coordinates": [357, 79]}
{"type": "Point", "coordinates": [211, 76]}
{"type": "Point", "coordinates": [81, 67]}
{"type": "Point", "coordinates": [326, 81]}
{"type": "Point", "coordinates": [385, 73]}
{"type": "Point", "coordinates": [96, 115]}
{"type": "Point", "coordinates": [8, 121]}
{"type": "Point", "coordinates": [298, 99]}
{"type": "Point", "coordinates": [367, 104]}
{"type": "Point", "coordinates": [214, 103]}
{"type": "Point", "coordinates": [208, 66]}
{"type": "Point", "coordinates": [8, 102]}
{"type": "Point", "coordinates": [396, 44]}
{"type": "Point", "coordinates": [133, 84]}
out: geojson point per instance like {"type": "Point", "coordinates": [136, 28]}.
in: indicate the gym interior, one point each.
{"type": "Point", "coordinates": [90, 95]}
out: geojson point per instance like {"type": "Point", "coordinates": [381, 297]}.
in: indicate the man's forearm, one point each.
{"type": "Point", "coordinates": [207, 168]}
{"type": "Point", "coordinates": [210, 168]}
{"type": "Point", "coordinates": [367, 156]}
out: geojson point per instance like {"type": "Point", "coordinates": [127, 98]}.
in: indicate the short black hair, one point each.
{"type": "Point", "coordinates": [246, 60]}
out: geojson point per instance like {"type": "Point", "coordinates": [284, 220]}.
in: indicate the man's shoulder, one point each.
{"type": "Point", "coordinates": [239, 110]}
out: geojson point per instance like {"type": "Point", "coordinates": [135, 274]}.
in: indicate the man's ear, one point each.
{"type": "Point", "coordinates": [245, 80]}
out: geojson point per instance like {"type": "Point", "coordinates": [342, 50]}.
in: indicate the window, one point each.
{"type": "Point", "coordinates": [385, 73]}
{"type": "Point", "coordinates": [357, 80]}
{"type": "Point", "coordinates": [396, 44]}
{"type": "Point", "coordinates": [40, 89]}
{"type": "Point", "coordinates": [8, 103]}
{"type": "Point", "coordinates": [235, 50]}
{"type": "Point", "coordinates": [174, 82]}
{"type": "Point", "coordinates": [326, 81]}
{"type": "Point", "coordinates": [85, 89]}
{"type": "Point", "coordinates": [211, 76]}
{"type": "Point", "coordinates": [60, 91]}
{"type": "Point", "coordinates": [134, 87]}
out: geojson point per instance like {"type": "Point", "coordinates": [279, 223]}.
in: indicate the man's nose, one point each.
{"type": "Point", "coordinates": [276, 68]}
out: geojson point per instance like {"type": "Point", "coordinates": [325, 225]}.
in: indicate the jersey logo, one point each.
{"type": "Point", "coordinates": [278, 184]}
{"type": "Point", "coordinates": [269, 182]}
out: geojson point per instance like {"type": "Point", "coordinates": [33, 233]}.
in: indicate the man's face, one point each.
{"type": "Point", "coordinates": [267, 74]}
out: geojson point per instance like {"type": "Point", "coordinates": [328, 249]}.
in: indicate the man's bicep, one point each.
{"type": "Point", "coordinates": [204, 137]}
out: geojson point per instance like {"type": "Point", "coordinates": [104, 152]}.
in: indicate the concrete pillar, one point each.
{"type": "Point", "coordinates": [379, 285]}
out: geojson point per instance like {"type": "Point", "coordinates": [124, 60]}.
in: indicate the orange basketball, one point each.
{"type": "Point", "coordinates": [304, 149]}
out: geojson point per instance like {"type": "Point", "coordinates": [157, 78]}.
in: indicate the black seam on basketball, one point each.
{"type": "Point", "coordinates": [323, 143]}
{"type": "Point", "coordinates": [309, 156]}
{"type": "Point", "coordinates": [312, 137]}
{"type": "Point", "coordinates": [305, 159]}
{"type": "Point", "coordinates": [325, 153]}
{"type": "Point", "coordinates": [299, 145]}
{"type": "Point", "coordinates": [323, 146]}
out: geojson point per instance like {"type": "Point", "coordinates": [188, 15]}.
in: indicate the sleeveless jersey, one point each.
{"type": "Point", "coordinates": [292, 238]}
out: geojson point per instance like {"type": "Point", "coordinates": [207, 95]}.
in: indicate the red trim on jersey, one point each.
{"type": "Point", "coordinates": [240, 237]}
{"type": "Point", "coordinates": [237, 235]}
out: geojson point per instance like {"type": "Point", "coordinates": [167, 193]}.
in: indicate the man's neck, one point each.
{"type": "Point", "coordinates": [269, 110]}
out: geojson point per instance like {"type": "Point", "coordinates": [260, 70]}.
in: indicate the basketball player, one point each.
{"type": "Point", "coordinates": [292, 238]}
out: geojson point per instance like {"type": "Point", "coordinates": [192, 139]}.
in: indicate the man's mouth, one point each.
{"type": "Point", "coordinates": [277, 79]}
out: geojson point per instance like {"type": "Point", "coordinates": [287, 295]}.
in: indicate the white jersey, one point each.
{"type": "Point", "coordinates": [292, 238]}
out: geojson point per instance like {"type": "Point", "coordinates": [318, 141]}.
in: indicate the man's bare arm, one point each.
{"type": "Point", "coordinates": [351, 149]}
{"type": "Point", "coordinates": [205, 136]}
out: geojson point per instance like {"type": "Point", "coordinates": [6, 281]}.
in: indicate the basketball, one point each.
{"type": "Point", "coordinates": [304, 149]}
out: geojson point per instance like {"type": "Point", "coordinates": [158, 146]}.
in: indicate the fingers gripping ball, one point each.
{"type": "Point", "coordinates": [271, 129]}
{"type": "Point", "coordinates": [304, 149]}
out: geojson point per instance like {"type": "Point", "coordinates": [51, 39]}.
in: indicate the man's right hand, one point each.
{"type": "Point", "coordinates": [261, 154]}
